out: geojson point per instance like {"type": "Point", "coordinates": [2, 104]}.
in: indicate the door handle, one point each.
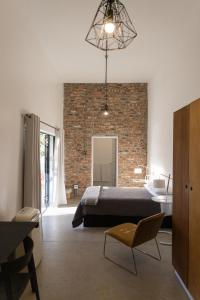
{"type": "Point", "coordinates": [191, 188]}
{"type": "Point", "coordinates": [186, 186]}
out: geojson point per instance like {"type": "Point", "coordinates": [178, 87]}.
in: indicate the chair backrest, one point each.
{"type": "Point", "coordinates": [18, 264]}
{"type": "Point", "coordinates": [147, 229]}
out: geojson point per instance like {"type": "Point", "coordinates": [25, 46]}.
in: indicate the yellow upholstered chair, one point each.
{"type": "Point", "coordinates": [133, 235]}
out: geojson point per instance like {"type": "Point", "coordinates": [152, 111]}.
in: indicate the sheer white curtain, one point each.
{"type": "Point", "coordinates": [59, 194]}
{"type": "Point", "coordinates": [32, 177]}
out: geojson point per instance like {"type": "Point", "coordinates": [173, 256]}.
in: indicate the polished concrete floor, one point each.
{"type": "Point", "coordinates": [73, 266]}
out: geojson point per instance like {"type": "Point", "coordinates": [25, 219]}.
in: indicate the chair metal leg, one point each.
{"type": "Point", "coordinates": [133, 256]}
{"type": "Point", "coordinates": [134, 262]}
{"type": "Point", "coordinates": [104, 247]}
{"type": "Point", "coordinates": [155, 257]}
{"type": "Point", "coordinates": [165, 243]}
{"type": "Point", "coordinates": [158, 248]}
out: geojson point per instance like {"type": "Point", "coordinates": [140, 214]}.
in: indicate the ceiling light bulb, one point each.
{"type": "Point", "coordinates": [105, 113]}
{"type": "Point", "coordinates": [109, 27]}
{"type": "Point", "coordinates": [105, 110]}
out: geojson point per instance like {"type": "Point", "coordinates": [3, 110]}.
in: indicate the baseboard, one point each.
{"type": "Point", "coordinates": [183, 286]}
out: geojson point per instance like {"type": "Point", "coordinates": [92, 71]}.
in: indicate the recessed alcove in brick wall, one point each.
{"type": "Point", "coordinates": [128, 104]}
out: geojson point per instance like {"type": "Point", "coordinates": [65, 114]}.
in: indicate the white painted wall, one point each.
{"type": "Point", "coordinates": [175, 81]}
{"type": "Point", "coordinates": [28, 84]}
{"type": "Point", "coordinates": [165, 54]}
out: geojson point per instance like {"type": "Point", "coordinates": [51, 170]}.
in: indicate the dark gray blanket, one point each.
{"type": "Point", "coordinates": [119, 202]}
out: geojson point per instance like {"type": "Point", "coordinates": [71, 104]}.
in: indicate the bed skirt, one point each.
{"type": "Point", "coordinates": [109, 221]}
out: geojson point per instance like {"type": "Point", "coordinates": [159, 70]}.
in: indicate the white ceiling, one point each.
{"type": "Point", "coordinates": [164, 28]}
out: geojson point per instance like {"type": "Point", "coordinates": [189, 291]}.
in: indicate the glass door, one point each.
{"type": "Point", "coordinates": [47, 142]}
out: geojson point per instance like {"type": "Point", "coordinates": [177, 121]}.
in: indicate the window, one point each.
{"type": "Point", "coordinates": [47, 143]}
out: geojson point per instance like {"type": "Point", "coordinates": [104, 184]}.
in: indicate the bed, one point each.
{"type": "Point", "coordinates": [109, 206]}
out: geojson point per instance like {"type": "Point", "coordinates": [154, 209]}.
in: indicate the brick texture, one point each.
{"type": "Point", "coordinates": [83, 119]}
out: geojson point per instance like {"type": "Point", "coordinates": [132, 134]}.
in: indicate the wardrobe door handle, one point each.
{"type": "Point", "coordinates": [191, 188]}
{"type": "Point", "coordinates": [186, 186]}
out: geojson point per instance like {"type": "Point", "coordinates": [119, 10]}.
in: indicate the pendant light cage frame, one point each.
{"type": "Point", "coordinates": [124, 33]}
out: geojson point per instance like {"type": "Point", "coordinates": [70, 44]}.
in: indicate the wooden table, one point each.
{"type": "Point", "coordinates": [11, 235]}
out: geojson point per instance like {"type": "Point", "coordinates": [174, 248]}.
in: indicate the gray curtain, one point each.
{"type": "Point", "coordinates": [32, 176]}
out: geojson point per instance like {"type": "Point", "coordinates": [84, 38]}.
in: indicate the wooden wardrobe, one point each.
{"type": "Point", "coordinates": [186, 198]}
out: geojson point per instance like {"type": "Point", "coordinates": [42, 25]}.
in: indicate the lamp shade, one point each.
{"type": "Point", "coordinates": [138, 170]}
{"type": "Point", "coordinates": [112, 27]}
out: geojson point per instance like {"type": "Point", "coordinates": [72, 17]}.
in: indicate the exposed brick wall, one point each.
{"type": "Point", "coordinates": [83, 119]}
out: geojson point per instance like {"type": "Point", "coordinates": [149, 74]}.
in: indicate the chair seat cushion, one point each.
{"type": "Point", "coordinates": [123, 232]}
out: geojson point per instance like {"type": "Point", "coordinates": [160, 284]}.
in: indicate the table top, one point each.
{"type": "Point", "coordinates": [11, 235]}
{"type": "Point", "coordinates": [165, 199]}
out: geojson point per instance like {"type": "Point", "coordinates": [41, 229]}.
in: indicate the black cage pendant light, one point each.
{"type": "Point", "coordinates": [112, 27]}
